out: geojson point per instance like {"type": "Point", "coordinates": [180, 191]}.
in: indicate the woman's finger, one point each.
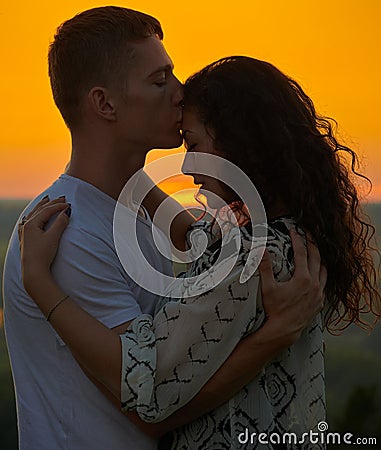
{"type": "Point", "coordinates": [19, 228]}
{"type": "Point", "coordinates": [44, 214]}
{"type": "Point", "coordinates": [40, 203]}
{"type": "Point", "coordinates": [43, 203]}
{"type": "Point", "coordinates": [300, 255]}
{"type": "Point", "coordinates": [266, 271]}
{"type": "Point", "coordinates": [59, 224]}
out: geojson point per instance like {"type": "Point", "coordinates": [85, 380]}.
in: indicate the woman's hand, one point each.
{"type": "Point", "coordinates": [39, 243]}
{"type": "Point", "coordinates": [292, 305]}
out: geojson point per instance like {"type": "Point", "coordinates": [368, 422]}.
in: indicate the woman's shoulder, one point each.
{"type": "Point", "coordinates": [278, 243]}
{"type": "Point", "coordinates": [205, 244]}
{"type": "Point", "coordinates": [277, 230]}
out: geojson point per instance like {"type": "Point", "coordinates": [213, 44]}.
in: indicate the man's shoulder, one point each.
{"type": "Point", "coordinates": [89, 239]}
{"type": "Point", "coordinates": [79, 193]}
{"type": "Point", "coordinates": [92, 210]}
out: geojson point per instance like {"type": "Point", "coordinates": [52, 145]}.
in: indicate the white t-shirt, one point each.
{"type": "Point", "coordinates": [57, 406]}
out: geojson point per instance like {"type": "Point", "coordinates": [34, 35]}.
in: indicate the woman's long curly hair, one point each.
{"type": "Point", "coordinates": [263, 122]}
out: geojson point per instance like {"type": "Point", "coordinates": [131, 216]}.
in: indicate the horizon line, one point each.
{"type": "Point", "coordinates": [28, 199]}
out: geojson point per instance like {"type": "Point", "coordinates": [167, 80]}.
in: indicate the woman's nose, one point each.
{"type": "Point", "coordinates": [188, 167]}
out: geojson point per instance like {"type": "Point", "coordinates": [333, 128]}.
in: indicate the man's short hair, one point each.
{"type": "Point", "coordinates": [88, 51]}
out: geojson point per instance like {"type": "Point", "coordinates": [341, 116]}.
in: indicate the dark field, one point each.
{"type": "Point", "coordinates": [353, 364]}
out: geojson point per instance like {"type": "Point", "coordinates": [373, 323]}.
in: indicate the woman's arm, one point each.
{"type": "Point", "coordinates": [246, 361]}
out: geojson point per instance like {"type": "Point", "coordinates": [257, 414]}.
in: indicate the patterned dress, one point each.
{"type": "Point", "coordinates": [167, 359]}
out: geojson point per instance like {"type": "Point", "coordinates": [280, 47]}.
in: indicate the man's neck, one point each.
{"type": "Point", "coordinates": [108, 170]}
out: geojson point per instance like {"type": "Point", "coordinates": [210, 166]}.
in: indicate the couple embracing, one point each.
{"type": "Point", "coordinates": [101, 362]}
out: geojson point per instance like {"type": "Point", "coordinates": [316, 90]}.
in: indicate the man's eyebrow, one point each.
{"type": "Point", "coordinates": [166, 68]}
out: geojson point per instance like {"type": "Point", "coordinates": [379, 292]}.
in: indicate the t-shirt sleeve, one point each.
{"type": "Point", "coordinates": [88, 269]}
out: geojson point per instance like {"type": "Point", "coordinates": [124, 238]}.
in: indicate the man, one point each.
{"type": "Point", "coordinates": [113, 83]}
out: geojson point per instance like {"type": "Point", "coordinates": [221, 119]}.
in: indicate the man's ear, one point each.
{"type": "Point", "coordinates": [102, 104]}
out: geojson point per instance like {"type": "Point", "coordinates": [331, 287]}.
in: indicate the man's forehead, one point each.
{"type": "Point", "coordinates": [151, 56]}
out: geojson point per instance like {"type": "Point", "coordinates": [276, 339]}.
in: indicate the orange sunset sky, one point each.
{"type": "Point", "coordinates": [332, 47]}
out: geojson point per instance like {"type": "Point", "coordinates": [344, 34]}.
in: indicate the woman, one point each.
{"type": "Point", "coordinates": [251, 114]}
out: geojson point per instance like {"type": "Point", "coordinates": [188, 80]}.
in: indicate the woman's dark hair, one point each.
{"type": "Point", "coordinates": [263, 122]}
